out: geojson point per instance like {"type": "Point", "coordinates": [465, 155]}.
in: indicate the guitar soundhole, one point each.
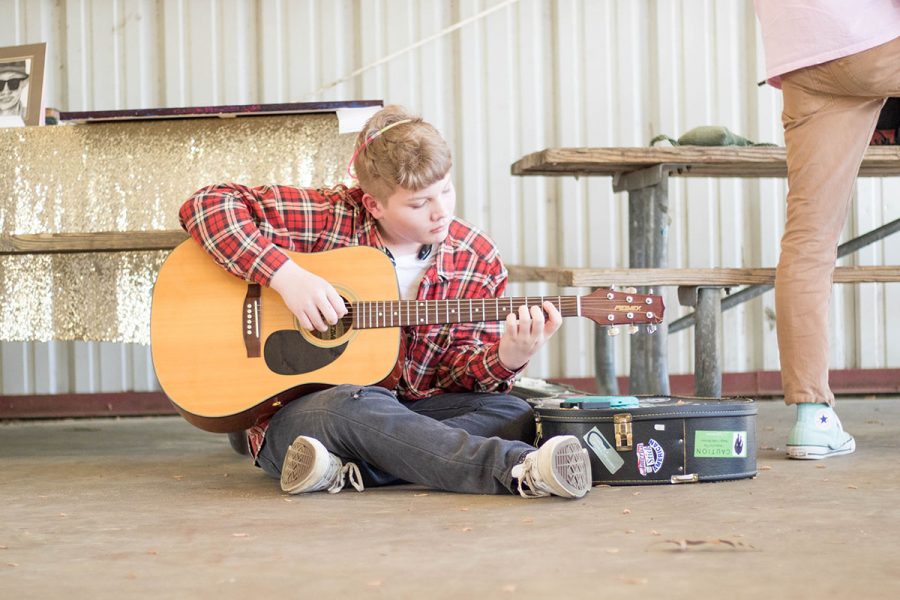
{"type": "Point", "coordinates": [339, 329]}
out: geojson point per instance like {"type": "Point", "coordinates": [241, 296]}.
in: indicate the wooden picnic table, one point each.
{"type": "Point", "coordinates": [644, 173]}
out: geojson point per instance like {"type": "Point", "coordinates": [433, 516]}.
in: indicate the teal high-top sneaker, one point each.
{"type": "Point", "coordinates": [818, 434]}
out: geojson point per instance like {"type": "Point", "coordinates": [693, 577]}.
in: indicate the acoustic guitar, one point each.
{"type": "Point", "coordinates": [228, 353]}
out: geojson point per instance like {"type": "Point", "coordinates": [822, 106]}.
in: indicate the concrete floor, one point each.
{"type": "Point", "coordinates": [154, 508]}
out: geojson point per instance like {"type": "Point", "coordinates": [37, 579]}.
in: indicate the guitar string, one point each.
{"type": "Point", "coordinates": [562, 303]}
{"type": "Point", "coordinates": [593, 303]}
{"type": "Point", "coordinates": [566, 302]}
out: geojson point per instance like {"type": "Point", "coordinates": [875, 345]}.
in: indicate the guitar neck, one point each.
{"type": "Point", "coordinates": [403, 313]}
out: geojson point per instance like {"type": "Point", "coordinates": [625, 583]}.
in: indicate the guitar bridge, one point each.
{"type": "Point", "coordinates": [250, 319]}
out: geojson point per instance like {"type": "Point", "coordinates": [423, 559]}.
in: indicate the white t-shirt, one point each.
{"type": "Point", "coordinates": [410, 270]}
{"type": "Point", "coordinates": [802, 33]}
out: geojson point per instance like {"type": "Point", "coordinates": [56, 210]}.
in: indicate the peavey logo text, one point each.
{"type": "Point", "coordinates": [627, 308]}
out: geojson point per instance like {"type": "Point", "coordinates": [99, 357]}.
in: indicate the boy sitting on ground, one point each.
{"type": "Point", "coordinates": [449, 424]}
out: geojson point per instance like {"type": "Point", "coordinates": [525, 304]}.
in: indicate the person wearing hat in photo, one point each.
{"type": "Point", "coordinates": [13, 83]}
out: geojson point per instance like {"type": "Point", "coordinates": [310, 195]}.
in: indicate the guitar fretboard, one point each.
{"type": "Point", "coordinates": [403, 313]}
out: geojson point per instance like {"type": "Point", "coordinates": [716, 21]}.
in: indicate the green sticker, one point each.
{"type": "Point", "coordinates": [720, 444]}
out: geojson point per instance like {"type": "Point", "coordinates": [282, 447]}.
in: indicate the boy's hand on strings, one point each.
{"type": "Point", "coordinates": [313, 300]}
{"type": "Point", "coordinates": [526, 332]}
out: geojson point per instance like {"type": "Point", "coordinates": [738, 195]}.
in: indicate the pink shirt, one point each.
{"type": "Point", "coordinates": [801, 33]}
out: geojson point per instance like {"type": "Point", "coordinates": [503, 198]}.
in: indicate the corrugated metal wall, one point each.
{"type": "Point", "coordinates": [532, 74]}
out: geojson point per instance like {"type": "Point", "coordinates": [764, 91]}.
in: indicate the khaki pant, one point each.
{"type": "Point", "coordinates": [830, 111]}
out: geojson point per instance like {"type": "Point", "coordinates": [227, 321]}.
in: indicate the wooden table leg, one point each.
{"type": "Point", "coordinates": [648, 217]}
{"type": "Point", "coordinates": [605, 363]}
{"type": "Point", "coordinates": [707, 304]}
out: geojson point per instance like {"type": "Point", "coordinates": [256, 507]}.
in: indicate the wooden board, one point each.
{"type": "Point", "coordinates": [227, 111]}
{"type": "Point", "coordinates": [694, 161]}
{"type": "Point", "coordinates": [107, 241]}
{"type": "Point", "coordinates": [684, 277]}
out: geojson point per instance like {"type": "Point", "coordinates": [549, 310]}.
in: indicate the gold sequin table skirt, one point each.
{"type": "Point", "coordinates": [131, 176]}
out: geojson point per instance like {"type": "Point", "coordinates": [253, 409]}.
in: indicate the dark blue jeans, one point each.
{"type": "Point", "coordinates": [454, 442]}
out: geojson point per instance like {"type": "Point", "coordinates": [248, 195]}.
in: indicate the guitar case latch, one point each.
{"type": "Point", "coordinates": [622, 429]}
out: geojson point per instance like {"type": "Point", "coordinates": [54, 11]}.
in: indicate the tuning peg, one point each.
{"type": "Point", "coordinates": [612, 331]}
{"type": "Point", "coordinates": [632, 329]}
{"type": "Point", "coordinates": [651, 328]}
{"type": "Point", "coordinates": [630, 290]}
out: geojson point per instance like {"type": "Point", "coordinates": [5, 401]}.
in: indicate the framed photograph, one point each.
{"type": "Point", "coordinates": [22, 83]}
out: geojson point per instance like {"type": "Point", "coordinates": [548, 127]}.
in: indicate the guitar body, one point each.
{"type": "Point", "coordinates": [201, 322]}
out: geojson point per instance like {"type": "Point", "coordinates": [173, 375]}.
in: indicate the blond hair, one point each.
{"type": "Point", "coordinates": [411, 155]}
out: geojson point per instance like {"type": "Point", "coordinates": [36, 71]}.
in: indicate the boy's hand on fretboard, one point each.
{"type": "Point", "coordinates": [526, 331]}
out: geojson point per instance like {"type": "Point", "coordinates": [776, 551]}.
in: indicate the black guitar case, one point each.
{"type": "Point", "coordinates": [655, 440]}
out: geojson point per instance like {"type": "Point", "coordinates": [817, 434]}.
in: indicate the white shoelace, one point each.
{"type": "Point", "coordinates": [349, 470]}
{"type": "Point", "coordinates": [535, 488]}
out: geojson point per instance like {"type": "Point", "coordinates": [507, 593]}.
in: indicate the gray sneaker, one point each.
{"type": "Point", "coordinates": [309, 467]}
{"type": "Point", "coordinates": [560, 467]}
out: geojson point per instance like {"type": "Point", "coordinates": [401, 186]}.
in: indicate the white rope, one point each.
{"type": "Point", "coordinates": [422, 42]}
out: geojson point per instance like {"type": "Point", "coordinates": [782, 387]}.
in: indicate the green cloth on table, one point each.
{"type": "Point", "coordinates": [708, 135]}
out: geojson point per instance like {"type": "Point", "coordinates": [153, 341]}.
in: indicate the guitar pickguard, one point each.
{"type": "Point", "coordinates": [288, 353]}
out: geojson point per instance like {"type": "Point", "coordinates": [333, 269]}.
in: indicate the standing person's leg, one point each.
{"type": "Point", "coordinates": [826, 137]}
{"type": "Point", "coordinates": [830, 112]}
{"type": "Point", "coordinates": [369, 425]}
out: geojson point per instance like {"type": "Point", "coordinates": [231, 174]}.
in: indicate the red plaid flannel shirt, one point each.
{"type": "Point", "coordinates": [242, 228]}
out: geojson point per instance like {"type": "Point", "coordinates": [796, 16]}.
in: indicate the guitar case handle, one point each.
{"type": "Point", "coordinates": [251, 319]}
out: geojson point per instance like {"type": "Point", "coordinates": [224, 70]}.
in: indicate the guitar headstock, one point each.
{"type": "Point", "coordinates": [614, 307]}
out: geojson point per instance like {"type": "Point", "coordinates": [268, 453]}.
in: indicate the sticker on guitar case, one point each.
{"type": "Point", "coordinates": [650, 457]}
{"type": "Point", "coordinates": [720, 444]}
{"type": "Point", "coordinates": [604, 450]}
